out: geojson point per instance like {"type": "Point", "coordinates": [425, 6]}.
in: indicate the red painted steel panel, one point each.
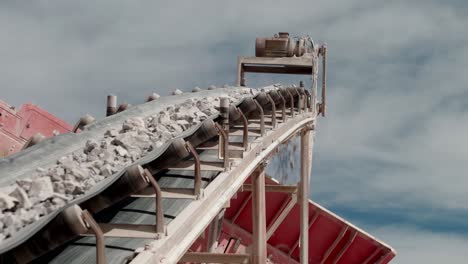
{"type": "Point", "coordinates": [16, 127]}
{"type": "Point", "coordinates": [355, 246]}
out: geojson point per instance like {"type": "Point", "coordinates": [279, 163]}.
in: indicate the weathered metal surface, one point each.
{"type": "Point", "coordinates": [17, 126]}
{"type": "Point", "coordinates": [48, 151]}
{"type": "Point", "coordinates": [352, 245]}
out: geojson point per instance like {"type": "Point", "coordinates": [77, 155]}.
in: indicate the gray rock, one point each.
{"type": "Point", "coordinates": [133, 123]}
{"type": "Point", "coordinates": [22, 197]}
{"type": "Point", "coordinates": [73, 187]}
{"type": "Point", "coordinates": [111, 133]}
{"type": "Point", "coordinates": [7, 202]}
{"type": "Point", "coordinates": [121, 151]}
{"type": "Point", "coordinates": [177, 92]}
{"type": "Point", "coordinates": [24, 183]}
{"type": "Point", "coordinates": [90, 145]}
{"type": "Point", "coordinates": [183, 123]}
{"type": "Point", "coordinates": [41, 189]}
{"type": "Point", "coordinates": [106, 170]}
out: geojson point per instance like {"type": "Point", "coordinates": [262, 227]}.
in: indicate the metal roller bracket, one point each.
{"type": "Point", "coordinates": [159, 228]}
{"type": "Point", "coordinates": [262, 118]}
{"type": "Point", "coordinates": [197, 172]}
{"type": "Point", "coordinates": [224, 153]}
{"type": "Point", "coordinates": [245, 135]}
{"type": "Point", "coordinates": [273, 110]}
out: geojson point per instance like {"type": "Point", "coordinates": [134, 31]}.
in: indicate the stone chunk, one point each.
{"type": "Point", "coordinates": [133, 124]}
{"type": "Point", "coordinates": [25, 184]}
{"type": "Point", "coordinates": [90, 145]}
{"type": "Point", "coordinates": [41, 189]}
{"type": "Point", "coordinates": [106, 170]}
{"type": "Point", "coordinates": [73, 187]}
{"type": "Point", "coordinates": [177, 92]}
{"type": "Point", "coordinates": [121, 151]}
{"type": "Point", "coordinates": [183, 123]}
{"type": "Point", "coordinates": [111, 133]}
{"type": "Point", "coordinates": [22, 197]}
{"type": "Point", "coordinates": [7, 202]}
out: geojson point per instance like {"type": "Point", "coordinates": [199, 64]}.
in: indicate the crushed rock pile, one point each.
{"type": "Point", "coordinates": [52, 188]}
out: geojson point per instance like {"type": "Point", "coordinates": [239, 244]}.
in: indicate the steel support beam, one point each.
{"type": "Point", "coordinates": [281, 215]}
{"type": "Point", "coordinates": [312, 221]}
{"type": "Point", "coordinates": [259, 252]}
{"type": "Point", "coordinates": [191, 222]}
{"type": "Point", "coordinates": [371, 256]}
{"type": "Point", "coordinates": [304, 195]}
{"type": "Point", "coordinates": [334, 244]}
{"type": "Point", "coordinates": [213, 232]}
{"type": "Point", "coordinates": [272, 188]}
{"type": "Point", "coordinates": [203, 257]}
{"type": "Point", "coordinates": [345, 247]}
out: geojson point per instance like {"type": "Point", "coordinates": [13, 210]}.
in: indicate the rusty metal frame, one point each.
{"type": "Point", "coordinates": [273, 110]}
{"type": "Point", "coordinates": [262, 117]}
{"type": "Point", "coordinates": [101, 257]}
{"type": "Point", "coordinates": [224, 153]}
{"type": "Point", "coordinates": [197, 171]}
{"type": "Point", "coordinates": [191, 222]}
{"type": "Point", "coordinates": [159, 225]}
{"type": "Point", "coordinates": [245, 135]}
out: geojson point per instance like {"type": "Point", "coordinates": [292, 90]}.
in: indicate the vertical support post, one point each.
{"type": "Point", "coordinates": [300, 104]}
{"type": "Point", "coordinates": [101, 257]}
{"type": "Point", "coordinates": [111, 105]}
{"type": "Point", "coordinates": [291, 98]}
{"type": "Point", "coordinates": [159, 206]}
{"type": "Point", "coordinates": [224, 141]}
{"type": "Point", "coordinates": [240, 73]}
{"type": "Point", "coordinates": [214, 230]}
{"type": "Point", "coordinates": [304, 195]}
{"type": "Point", "coordinates": [283, 107]}
{"type": "Point", "coordinates": [259, 247]}
{"type": "Point", "coordinates": [245, 134]}
{"type": "Point", "coordinates": [324, 78]}
{"type": "Point", "coordinates": [224, 147]}
{"type": "Point", "coordinates": [273, 110]}
{"type": "Point", "coordinates": [262, 117]}
{"type": "Point", "coordinates": [314, 80]}
{"type": "Point", "coordinates": [197, 170]}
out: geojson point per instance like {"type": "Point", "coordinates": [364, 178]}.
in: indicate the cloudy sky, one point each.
{"type": "Point", "coordinates": [391, 155]}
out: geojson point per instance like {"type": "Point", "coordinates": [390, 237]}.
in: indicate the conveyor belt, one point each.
{"type": "Point", "coordinates": [131, 209]}
{"type": "Point", "coordinates": [24, 164]}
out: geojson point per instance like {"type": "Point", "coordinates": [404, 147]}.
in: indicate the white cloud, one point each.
{"type": "Point", "coordinates": [396, 131]}
{"type": "Point", "coordinates": [420, 246]}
